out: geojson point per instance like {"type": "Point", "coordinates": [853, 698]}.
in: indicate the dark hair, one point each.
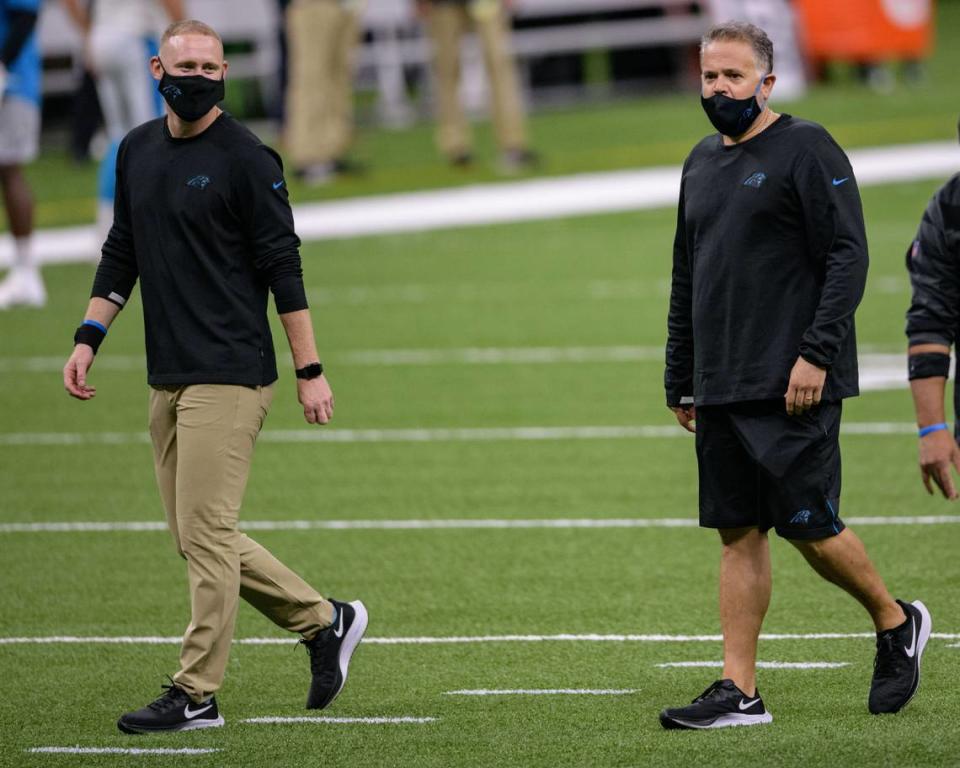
{"type": "Point", "coordinates": [189, 27]}
{"type": "Point", "coordinates": [744, 32]}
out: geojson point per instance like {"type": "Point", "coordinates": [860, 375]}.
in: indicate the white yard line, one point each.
{"type": "Point", "coordinates": [536, 199]}
{"type": "Point", "coordinates": [760, 664]}
{"type": "Point", "coordinates": [442, 524]}
{"type": "Point", "coordinates": [459, 639]}
{"type": "Point", "coordinates": [340, 720]}
{"type": "Point", "coordinates": [544, 692]}
{"type": "Point", "coordinates": [121, 751]}
{"type": "Point", "coordinates": [427, 435]}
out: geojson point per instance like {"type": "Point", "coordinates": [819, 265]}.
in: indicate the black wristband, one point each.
{"type": "Point", "coordinates": [927, 365]}
{"type": "Point", "coordinates": [90, 335]}
{"type": "Point", "coordinates": [311, 371]}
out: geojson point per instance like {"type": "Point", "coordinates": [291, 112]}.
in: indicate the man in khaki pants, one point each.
{"type": "Point", "coordinates": [448, 21]}
{"type": "Point", "coordinates": [322, 37]}
{"type": "Point", "coordinates": [202, 219]}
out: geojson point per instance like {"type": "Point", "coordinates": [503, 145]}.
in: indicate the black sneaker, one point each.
{"type": "Point", "coordinates": [896, 667]}
{"type": "Point", "coordinates": [330, 651]}
{"type": "Point", "coordinates": [720, 706]}
{"type": "Point", "coordinates": [173, 711]}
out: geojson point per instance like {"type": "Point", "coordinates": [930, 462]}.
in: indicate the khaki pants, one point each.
{"type": "Point", "coordinates": [322, 37]}
{"type": "Point", "coordinates": [203, 437]}
{"type": "Point", "coordinates": [448, 22]}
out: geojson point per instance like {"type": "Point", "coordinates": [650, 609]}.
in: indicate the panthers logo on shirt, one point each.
{"type": "Point", "coordinates": [198, 182]}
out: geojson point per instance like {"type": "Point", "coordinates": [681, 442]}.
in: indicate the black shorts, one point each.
{"type": "Point", "coordinates": [761, 468]}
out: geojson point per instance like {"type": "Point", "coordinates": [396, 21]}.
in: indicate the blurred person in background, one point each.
{"type": "Point", "coordinates": [769, 266]}
{"type": "Point", "coordinates": [119, 38]}
{"type": "Point", "coordinates": [448, 21]}
{"type": "Point", "coordinates": [203, 222]}
{"type": "Point", "coordinates": [19, 143]}
{"type": "Point", "coordinates": [322, 37]}
{"type": "Point", "coordinates": [933, 322]}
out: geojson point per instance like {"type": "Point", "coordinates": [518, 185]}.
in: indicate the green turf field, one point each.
{"type": "Point", "coordinates": [595, 282]}
{"type": "Point", "coordinates": [396, 318]}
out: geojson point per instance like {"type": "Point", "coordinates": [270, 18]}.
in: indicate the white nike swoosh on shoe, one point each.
{"type": "Point", "coordinates": [187, 713]}
{"type": "Point", "coordinates": [747, 704]}
{"type": "Point", "coordinates": [338, 632]}
{"type": "Point", "coordinates": [913, 643]}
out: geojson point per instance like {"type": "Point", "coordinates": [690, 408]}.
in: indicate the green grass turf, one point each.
{"type": "Point", "coordinates": [653, 130]}
{"type": "Point", "coordinates": [593, 281]}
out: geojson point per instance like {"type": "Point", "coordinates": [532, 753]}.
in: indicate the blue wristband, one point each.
{"type": "Point", "coordinates": [99, 326]}
{"type": "Point", "coordinates": [932, 428]}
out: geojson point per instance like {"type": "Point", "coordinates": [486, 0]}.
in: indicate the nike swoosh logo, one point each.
{"type": "Point", "coordinates": [338, 632]}
{"type": "Point", "coordinates": [838, 182]}
{"type": "Point", "coordinates": [278, 184]}
{"type": "Point", "coordinates": [913, 643]}
{"type": "Point", "coordinates": [746, 704]}
{"type": "Point", "coordinates": [187, 713]}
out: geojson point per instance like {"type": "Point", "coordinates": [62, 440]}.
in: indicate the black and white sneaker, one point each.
{"type": "Point", "coordinates": [720, 706]}
{"type": "Point", "coordinates": [896, 667]}
{"type": "Point", "coordinates": [173, 711]}
{"type": "Point", "coordinates": [330, 651]}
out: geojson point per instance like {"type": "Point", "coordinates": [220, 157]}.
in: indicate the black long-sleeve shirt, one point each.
{"type": "Point", "coordinates": [769, 263]}
{"type": "Point", "coordinates": [933, 261]}
{"type": "Point", "coordinates": [206, 226]}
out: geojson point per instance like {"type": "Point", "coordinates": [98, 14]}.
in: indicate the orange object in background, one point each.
{"type": "Point", "coordinates": [866, 31]}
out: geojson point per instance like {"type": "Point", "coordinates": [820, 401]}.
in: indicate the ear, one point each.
{"type": "Point", "coordinates": [766, 86]}
{"type": "Point", "coordinates": [155, 69]}
{"type": "Point", "coordinates": [226, 65]}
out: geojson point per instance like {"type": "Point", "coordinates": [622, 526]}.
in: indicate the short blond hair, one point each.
{"type": "Point", "coordinates": [189, 27]}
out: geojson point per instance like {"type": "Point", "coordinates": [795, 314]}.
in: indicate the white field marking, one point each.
{"type": "Point", "coordinates": [761, 664]}
{"type": "Point", "coordinates": [459, 640]}
{"type": "Point", "coordinates": [442, 524]}
{"type": "Point", "coordinates": [536, 199]}
{"type": "Point", "coordinates": [544, 692]}
{"type": "Point", "coordinates": [427, 435]}
{"type": "Point", "coordinates": [340, 720]}
{"type": "Point", "coordinates": [121, 751]}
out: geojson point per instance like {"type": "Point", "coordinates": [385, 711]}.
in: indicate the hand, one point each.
{"type": "Point", "coordinates": [938, 451]}
{"type": "Point", "coordinates": [75, 372]}
{"type": "Point", "coordinates": [805, 388]}
{"type": "Point", "coordinates": [316, 398]}
{"type": "Point", "coordinates": [686, 415]}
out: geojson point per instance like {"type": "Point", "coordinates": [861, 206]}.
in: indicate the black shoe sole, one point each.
{"type": "Point", "coordinates": [731, 720]}
{"type": "Point", "coordinates": [190, 725]}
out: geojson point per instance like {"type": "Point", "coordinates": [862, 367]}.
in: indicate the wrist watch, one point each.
{"type": "Point", "coordinates": [311, 371]}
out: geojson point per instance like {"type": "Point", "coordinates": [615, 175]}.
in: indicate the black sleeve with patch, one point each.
{"type": "Point", "coordinates": [117, 271]}
{"type": "Point", "coordinates": [837, 239]}
{"type": "Point", "coordinates": [268, 223]}
{"type": "Point", "coordinates": [933, 263]}
{"type": "Point", "coordinates": [678, 377]}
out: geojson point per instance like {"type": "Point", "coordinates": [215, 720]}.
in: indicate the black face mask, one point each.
{"type": "Point", "coordinates": [190, 96]}
{"type": "Point", "coordinates": [732, 117]}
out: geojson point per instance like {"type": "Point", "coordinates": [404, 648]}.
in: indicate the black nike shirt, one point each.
{"type": "Point", "coordinates": [205, 224]}
{"type": "Point", "coordinates": [769, 263]}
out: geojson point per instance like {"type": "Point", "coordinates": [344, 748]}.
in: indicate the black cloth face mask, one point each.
{"type": "Point", "coordinates": [732, 117]}
{"type": "Point", "coordinates": [190, 96]}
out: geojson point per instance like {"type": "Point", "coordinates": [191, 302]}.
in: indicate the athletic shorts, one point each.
{"type": "Point", "coordinates": [19, 131]}
{"type": "Point", "coordinates": [761, 468]}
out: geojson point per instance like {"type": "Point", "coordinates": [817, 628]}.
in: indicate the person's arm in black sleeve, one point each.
{"type": "Point", "coordinates": [933, 263]}
{"type": "Point", "coordinates": [116, 275]}
{"type": "Point", "coordinates": [20, 25]}
{"type": "Point", "coordinates": [837, 244]}
{"type": "Point", "coordinates": [276, 254]}
{"type": "Point", "coordinates": [678, 375]}
{"type": "Point", "coordinates": [836, 237]}
{"type": "Point", "coordinates": [117, 272]}
{"type": "Point", "coordinates": [269, 228]}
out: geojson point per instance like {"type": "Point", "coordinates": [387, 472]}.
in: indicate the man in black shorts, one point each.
{"type": "Point", "coordinates": [770, 262]}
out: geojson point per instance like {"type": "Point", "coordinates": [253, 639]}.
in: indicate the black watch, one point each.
{"type": "Point", "coordinates": [310, 371]}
